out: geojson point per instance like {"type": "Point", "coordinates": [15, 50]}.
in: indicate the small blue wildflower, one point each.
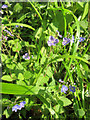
{"type": "Point", "coordinates": [16, 26]}
{"type": "Point", "coordinates": [26, 56]}
{"type": "Point", "coordinates": [72, 40]}
{"type": "Point", "coordinates": [61, 81]}
{"type": "Point", "coordinates": [72, 88]}
{"type": "Point", "coordinates": [16, 107]}
{"type": "Point", "coordinates": [4, 6]}
{"type": "Point", "coordinates": [81, 39]}
{"type": "Point", "coordinates": [52, 41]}
{"type": "Point", "coordinates": [22, 104]}
{"type": "Point", "coordinates": [59, 34]}
{"type": "Point", "coordinates": [8, 32]}
{"type": "Point", "coordinates": [64, 88]}
{"type": "Point", "coordinates": [66, 41]}
{"type": "Point", "coordinates": [21, 26]}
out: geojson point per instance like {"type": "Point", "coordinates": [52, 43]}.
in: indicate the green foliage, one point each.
{"type": "Point", "coordinates": [36, 80]}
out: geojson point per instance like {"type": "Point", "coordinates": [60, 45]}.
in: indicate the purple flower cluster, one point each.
{"type": "Point", "coordinates": [81, 39]}
{"type": "Point", "coordinates": [4, 37]}
{"type": "Point", "coordinates": [18, 107]}
{"type": "Point", "coordinates": [72, 89]}
{"type": "Point", "coordinates": [65, 88]}
{"type": "Point", "coordinates": [26, 56]}
{"type": "Point", "coordinates": [8, 32]}
{"type": "Point", "coordinates": [4, 6]}
{"type": "Point", "coordinates": [68, 40]}
{"type": "Point", "coordinates": [52, 41]}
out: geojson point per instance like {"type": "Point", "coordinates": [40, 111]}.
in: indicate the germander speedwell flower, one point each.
{"type": "Point", "coordinates": [52, 41]}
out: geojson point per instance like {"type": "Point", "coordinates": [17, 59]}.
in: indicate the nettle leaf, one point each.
{"type": "Point", "coordinates": [65, 101]}
{"type": "Point", "coordinates": [20, 76]}
{"type": "Point", "coordinates": [7, 78]}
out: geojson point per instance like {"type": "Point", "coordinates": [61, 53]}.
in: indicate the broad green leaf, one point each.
{"type": "Point", "coordinates": [8, 88]}
{"type": "Point", "coordinates": [27, 75]}
{"type": "Point", "coordinates": [11, 66]}
{"type": "Point", "coordinates": [80, 113]}
{"type": "Point", "coordinates": [7, 78]}
{"type": "Point", "coordinates": [7, 113]}
{"type": "Point", "coordinates": [17, 7]}
{"type": "Point", "coordinates": [65, 101]}
{"type": "Point", "coordinates": [42, 79]}
{"type": "Point", "coordinates": [58, 108]}
{"type": "Point", "coordinates": [20, 76]}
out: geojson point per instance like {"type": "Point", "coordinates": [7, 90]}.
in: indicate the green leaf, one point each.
{"type": "Point", "coordinates": [7, 78]}
{"type": "Point", "coordinates": [42, 79]}
{"type": "Point", "coordinates": [21, 24]}
{"type": "Point", "coordinates": [80, 113]}
{"type": "Point", "coordinates": [7, 113]}
{"type": "Point", "coordinates": [38, 33]}
{"type": "Point", "coordinates": [17, 47]}
{"type": "Point", "coordinates": [58, 108]}
{"type": "Point", "coordinates": [65, 101]}
{"type": "Point", "coordinates": [17, 8]}
{"type": "Point", "coordinates": [85, 10]}
{"type": "Point", "coordinates": [43, 59]}
{"type": "Point", "coordinates": [20, 76]}
{"type": "Point", "coordinates": [27, 75]}
{"type": "Point", "coordinates": [8, 88]}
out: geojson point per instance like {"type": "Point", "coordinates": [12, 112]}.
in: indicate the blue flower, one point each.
{"type": "Point", "coordinates": [52, 41]}
{"type": "Point", "coordinates": [66, 41]}
{"type": "Point", "coordinates": [81, 39]}
{"type": "Point", "coordinates": [8, 32]}
{"type": "Point", "coordinates": [21, 26]}
{"type": "Point", "coordinates": [16, 107]}
{"type": "Point", "coordinates": [4, 6]}
{"type": "Point", "coordinates": [26, 56]}
{"type": "Point", "coordinates": [72, 88]}
{"type": "Point", "coordinates": [22, 104]}
{"type": "Point", "coordinates": [64, 88]}
{"type": "Point", "coordinates": [16, 26]}
{"type": "Point", "coordinates": [59, 34]}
